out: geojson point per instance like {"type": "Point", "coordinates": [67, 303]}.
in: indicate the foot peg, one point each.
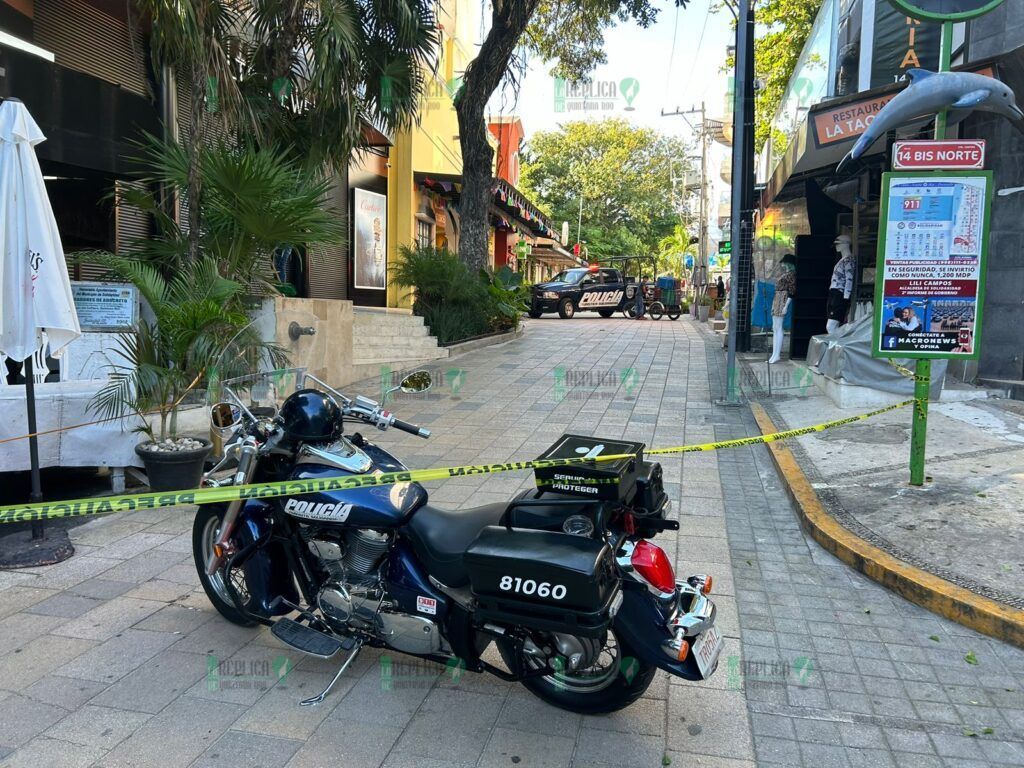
{"type": "Point", "coordinates": [309, 640]}
{"type": "Point", "coordinates": [354, 646]}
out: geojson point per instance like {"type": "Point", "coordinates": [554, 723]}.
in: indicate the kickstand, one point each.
{"type": "Point", "coordinates": [323, 694]}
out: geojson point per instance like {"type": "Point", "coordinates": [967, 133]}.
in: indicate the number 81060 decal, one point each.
{"type": "Point", "coordinates": [531, 587]}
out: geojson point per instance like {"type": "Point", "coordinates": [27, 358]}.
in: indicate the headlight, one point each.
{"type": "Point", "coordinates": [549, 295]}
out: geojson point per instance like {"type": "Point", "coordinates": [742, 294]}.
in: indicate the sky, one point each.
{"type": "Point", "coordinates": [676, 63]}
{"type": "Point", "coordinates": [666, 75]}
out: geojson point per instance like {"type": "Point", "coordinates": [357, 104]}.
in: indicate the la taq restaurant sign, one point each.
{"type": "Point", "coordinates": [847, 121]}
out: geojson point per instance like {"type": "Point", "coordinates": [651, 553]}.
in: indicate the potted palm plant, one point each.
{"type": "Point", "coordinates": [706, 302]}
{"type": "Point", "coordinates": [196, 335]}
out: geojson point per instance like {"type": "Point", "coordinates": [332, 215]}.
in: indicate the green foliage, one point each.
{"type": "Point", "coordinates": [673, 249]}
{"type": "Point", "coordinates": [788, 24]}
{"type": "Point", "coordinates": [507, 294]}
{"type": "Point", "coordinates": [199, 333]}
{"type": "Point", "coordinates": [572, 34]}
{"type": "Point", "coordinates": [315, 69]}
{"type": "Point", "coordinates": [255, 201]}
{"type": "Point", "coordinates": [300, 73]}
{"type": "Point", "coordinates": [455, 303]}
{"type": "Point", "coordinates": [624, 174]}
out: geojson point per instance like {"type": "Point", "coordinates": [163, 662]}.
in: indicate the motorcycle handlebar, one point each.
{"type": "Point", "coordinates": [412, 429]}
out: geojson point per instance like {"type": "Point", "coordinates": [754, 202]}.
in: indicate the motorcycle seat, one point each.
{"type": "Point", "coordinates": [441, 536]}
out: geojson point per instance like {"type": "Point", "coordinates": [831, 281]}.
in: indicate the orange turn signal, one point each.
{"type": "Point", "coordinates": [218, 550]}
{"type": "Point", "coordinates": [706, 587]}
{"type": "Point", "coordinates": [684, 650]}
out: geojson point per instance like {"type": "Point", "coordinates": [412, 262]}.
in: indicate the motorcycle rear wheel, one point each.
{"type": "Point", "coordinates": [205, 529]}
{"type": "Point", "coordinates": [617, 679]}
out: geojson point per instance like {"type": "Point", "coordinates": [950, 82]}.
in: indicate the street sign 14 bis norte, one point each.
{"type": "Point", "coordinates": [951, 155]}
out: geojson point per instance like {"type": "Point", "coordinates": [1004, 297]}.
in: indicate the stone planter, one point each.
{"type": "Point", "coordinates": [174, 470]}
{"type": "Point", "coordinates": [703, 311]}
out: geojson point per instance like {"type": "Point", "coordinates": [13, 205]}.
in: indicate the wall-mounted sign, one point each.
{"type": "Point", "coordinates": [950, 155]}
{"type": "Point", "coordinates": [902, 43]}
{"type": "Point", "coordinates": [932, 250]}
{"type": "Point", "coordinates": [946, 10]}
{"type": "Point", "coordinates": [725, 247]}
{"type": "Point", "coordinates": [370, 259]}
{"type": "Point", "coordinates": [848, 121]}
{"type": "Point", "coordinates": [105, 306]}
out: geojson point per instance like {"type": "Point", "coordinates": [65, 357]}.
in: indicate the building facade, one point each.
{"type": "Point", "coordinates": [855, 61]}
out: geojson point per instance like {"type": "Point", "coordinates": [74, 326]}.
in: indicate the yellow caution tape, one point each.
{"type": "Point", "coordinates": [20, 513]}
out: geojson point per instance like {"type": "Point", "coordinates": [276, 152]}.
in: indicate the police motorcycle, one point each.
{"type": "Point", "coordinates": [582, 606]}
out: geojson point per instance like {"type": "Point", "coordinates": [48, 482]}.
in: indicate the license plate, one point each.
{"type": "Point", "coordinates": [706, 650]}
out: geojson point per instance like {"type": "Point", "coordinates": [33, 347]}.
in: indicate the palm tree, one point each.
{"type": "Point", "coordinates": [197, 38]}
{"type": "Point", "coordinates": [301, 74]}
{"type": "Point", "coordinates": [673, 247]}
{"type": "Point", "coordinates": [317, 70]}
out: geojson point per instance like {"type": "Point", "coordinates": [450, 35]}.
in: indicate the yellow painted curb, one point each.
{"type": "Point", "coordinates": [925, 589]}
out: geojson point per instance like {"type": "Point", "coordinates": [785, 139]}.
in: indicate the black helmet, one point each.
{"type": "Point", "coordinates": [310, 416]}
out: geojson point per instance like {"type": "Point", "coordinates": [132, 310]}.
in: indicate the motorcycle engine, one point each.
{"type": "Point", "coordinates": [354, 598]}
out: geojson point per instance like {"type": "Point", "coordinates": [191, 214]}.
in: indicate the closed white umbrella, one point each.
{"type": "Point", "coordinates": [35, 293]}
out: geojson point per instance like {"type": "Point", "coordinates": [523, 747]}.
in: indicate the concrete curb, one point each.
{"type": "Point", "coordinates": [487, 341]}
{"type": "Point", "coordinates": [925, 589]}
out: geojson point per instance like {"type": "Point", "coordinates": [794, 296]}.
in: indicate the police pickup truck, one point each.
{"type": "Point", "coordinates": [598, 289]}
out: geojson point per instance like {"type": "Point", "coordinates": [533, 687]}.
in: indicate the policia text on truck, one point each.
{"type": "Point", "coordinates": [599, 289]}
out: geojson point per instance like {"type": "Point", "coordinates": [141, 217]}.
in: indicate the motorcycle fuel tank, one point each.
{"type": "Point", "coordinates": [384, 506]}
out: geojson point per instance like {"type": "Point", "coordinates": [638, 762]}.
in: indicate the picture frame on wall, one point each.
{"type": "Point", "coordinates": [370, 246]}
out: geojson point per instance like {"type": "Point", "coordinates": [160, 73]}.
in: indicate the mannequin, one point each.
{"type": "Point", "coordinates": [842, 284]}
{"type": "Point", "coordinates": [785, 289]}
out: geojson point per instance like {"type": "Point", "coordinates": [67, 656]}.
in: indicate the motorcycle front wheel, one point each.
{"type": "Point", "coordinates": [205, 530]}
{"type": "Point", "coordinates": [616, 679]}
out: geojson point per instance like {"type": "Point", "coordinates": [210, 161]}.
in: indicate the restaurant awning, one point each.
{"type": "Point", "coordinates": [510, 208]}
{"type": "Point", "coordinates": [831, 127]}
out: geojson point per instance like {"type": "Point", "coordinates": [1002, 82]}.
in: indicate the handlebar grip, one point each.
{"type": "Point", "coordinates": [412, 429]}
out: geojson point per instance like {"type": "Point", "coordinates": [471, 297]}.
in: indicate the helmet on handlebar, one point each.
{"type": "Point", "coordinates": [310, 416]}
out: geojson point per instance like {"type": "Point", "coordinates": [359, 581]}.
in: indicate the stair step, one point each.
{"type": "Point", "coordinates": [403, 356]}
{"type": "Point", "coordinates": [363, 319]}
{"type": "Point", "coordinates": [372, 370]}
{"type": "Point", "coordinates": [380, 347]}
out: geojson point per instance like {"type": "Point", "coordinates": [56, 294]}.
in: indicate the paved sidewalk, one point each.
{"type": "Point", "coordinates": [115, 658]}
{"type": "Point", "coordinates": [966, 524]}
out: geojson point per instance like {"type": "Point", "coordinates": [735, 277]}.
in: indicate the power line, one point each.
{"type": "Point", "coordinates": [672, 55]}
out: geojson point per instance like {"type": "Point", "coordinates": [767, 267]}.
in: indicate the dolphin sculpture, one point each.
{"type": "Point", "coordinates": [932, 92]}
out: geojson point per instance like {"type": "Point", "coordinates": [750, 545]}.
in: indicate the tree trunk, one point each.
{"type": "Point", "coordinates": [484, 74]}
{"type": "Point", "coordinates": [195, 147]}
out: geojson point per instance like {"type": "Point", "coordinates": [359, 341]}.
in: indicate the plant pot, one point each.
{"type": "Point", "coordinates": [174, 470]}
{"type": "Point", "coordinates": [703, 311]}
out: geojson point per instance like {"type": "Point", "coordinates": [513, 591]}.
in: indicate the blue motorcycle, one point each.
{"type": "Point", "coordinates": [582, 606]}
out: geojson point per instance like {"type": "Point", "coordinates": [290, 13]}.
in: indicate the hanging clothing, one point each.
{"type": "Point", "coordinates": [842, 275]}
{"type": "Point", "coordinates": [785, 289]}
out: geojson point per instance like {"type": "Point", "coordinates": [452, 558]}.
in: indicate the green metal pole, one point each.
{"type": "Point", "coordinates": [923, 368]}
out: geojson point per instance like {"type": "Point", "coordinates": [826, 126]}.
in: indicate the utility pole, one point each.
{"type": "Point", "coordinates": [702, 233]}
{"type": "Point", "coordinates": [742, 197]}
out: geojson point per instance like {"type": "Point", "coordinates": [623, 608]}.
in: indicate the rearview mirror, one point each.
{"type": "Point", "coordinates": [225, 417]}
{"type": "Point", "coordinates": [420, 381]}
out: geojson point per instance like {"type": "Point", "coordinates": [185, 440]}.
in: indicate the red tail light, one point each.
{"type": "Point", "coordinates": [651, 562]}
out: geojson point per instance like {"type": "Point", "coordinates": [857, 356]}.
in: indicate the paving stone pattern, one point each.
{"type": "Point", "coordinates": [115, 657]}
